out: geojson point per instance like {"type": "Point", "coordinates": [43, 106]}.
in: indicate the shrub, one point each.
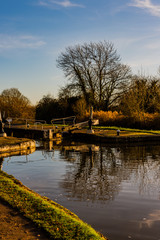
{"type": "Point", "coordinates": [137, 120]}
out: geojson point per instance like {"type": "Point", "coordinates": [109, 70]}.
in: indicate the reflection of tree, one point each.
{"type": "Point", "coordinates": [145, 163]}
{"type": "Point", "coordinates": [1, 163]}
{"type": "Point", "coordinates": [98, 175]}
{"type": "Point", "coordinates": [93, 175]}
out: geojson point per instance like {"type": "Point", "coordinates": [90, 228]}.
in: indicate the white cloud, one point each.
{"type": "Point", "coordinates": [148, 5]}
{"type": "Point", "coordinates": [17, 42]}
{"type": "Point", "coordinates": [53, 3]}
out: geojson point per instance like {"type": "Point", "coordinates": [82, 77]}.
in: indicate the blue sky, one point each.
{"type": "Point", "coordinates": [34, 32]}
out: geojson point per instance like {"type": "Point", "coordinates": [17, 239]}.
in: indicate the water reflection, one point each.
{"type": "Point", "coordinates": [152, 218]}
{"type": "Point", "coordinates": [25, 152]}
{"type": "Point", "coordinates": [98, 171]}
{"type": "Point", "coordinates": [113, 188]}
{"type": "Point", "coordinates": [1, 163]}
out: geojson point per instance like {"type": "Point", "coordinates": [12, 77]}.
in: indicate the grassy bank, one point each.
{"type": "Point", "coordinates": [57, 221]}
{"type": "Point", "coordinates": [129, 130]}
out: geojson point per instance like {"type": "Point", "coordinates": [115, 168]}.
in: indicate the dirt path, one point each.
{"type": "Point", "coordinates": [14, 226]}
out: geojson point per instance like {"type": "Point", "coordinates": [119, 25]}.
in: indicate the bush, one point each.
{"type": "Point", "coordinates": [137, 120]}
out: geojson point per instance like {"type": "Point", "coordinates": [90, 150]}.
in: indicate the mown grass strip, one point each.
{"type": "Point", "coordinates": [127, 129]}
{"type": "Point", "coordinates": [56, 220]}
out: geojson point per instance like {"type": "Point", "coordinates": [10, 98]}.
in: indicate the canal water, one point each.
{"type": "Point", "coordinates": [116, 189]}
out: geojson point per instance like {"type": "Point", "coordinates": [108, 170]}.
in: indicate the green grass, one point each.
{"type": "Point", "coordinates": [127, 129]}
{"type": "Point", "coordinates": [57, 221]}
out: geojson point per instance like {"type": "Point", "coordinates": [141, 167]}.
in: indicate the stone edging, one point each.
{"type": "Point", "coordinates": [18, 146]}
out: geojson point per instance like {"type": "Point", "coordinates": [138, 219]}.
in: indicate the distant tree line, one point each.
{"type": "Point", "coordinates": [96, 77]}
{"type": "Point", "coordinates": [49, 108]}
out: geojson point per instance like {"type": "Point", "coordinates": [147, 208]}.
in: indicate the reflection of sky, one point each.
{"type": "Point", "coordinates": [41, 170]}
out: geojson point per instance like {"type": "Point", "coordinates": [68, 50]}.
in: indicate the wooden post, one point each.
{"type": "Point", "coordinates": [90, 122]}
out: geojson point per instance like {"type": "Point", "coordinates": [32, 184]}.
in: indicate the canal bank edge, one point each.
{"type": "Point", "coordinates": [96, 138]}
{"type": "Point", "coordinates": [11, 144]}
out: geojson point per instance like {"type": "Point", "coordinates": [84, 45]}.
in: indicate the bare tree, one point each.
{"type": "Point", "coordinates": [95, 71]}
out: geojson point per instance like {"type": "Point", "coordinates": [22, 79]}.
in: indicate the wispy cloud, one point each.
{"type": "Point", "coordinates": [153, 45]}
{"type": "Point", "coordinates": [64, 3]}
{"type": "Point", "coordinates": [148, 5]}
{"type": "Point", "coordinates": [19, 42]}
